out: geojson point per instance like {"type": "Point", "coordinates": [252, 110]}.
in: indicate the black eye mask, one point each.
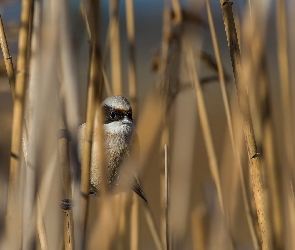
{"type": "Point", "coordinates": [111, 114]}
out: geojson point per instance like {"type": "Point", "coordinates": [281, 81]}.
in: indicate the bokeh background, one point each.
{"type": "Point", "coordinates": [195, 218]}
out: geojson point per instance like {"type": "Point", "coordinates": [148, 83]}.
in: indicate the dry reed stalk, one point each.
{"type": "Point", "coordinates": [273, 173]}
{"type": "Point", "coordinates": [124, 204]}
{"type": "Point", "coordinates": [69, 66]}
{"type": "Point", "coordinates": [41, 226]}
{"type": "Point", "coordinates": [107, 82]}
{"type": "Point", "coordinates": [166, 32]}
{"type": "Point", "coordinates": [69, 94]}
{"type": "Point", "coordinates": [151, 223]}
{"type": "Point", "coordinates": [134, 223]}
{"type": "Point", "coordinates": [104, 74]}
{"type": "Point", "coordinates": [31, 198]}
{"type": "Point", "coordinates": [250, 8]}
{"type": "Point", "coordinates": [131, 61]}
{"type": "Point", "coordinates": [86, 156]}
{"type": "Point", "coordinates": [115, 51]}
{"type": "Point", "coordinates": [107, 224]}
{"type": "Point", "coordinates": [177, 12]}
{"type": "Point", "coordinates": [230, 127]}
{"type": "Point", "coordinates": [254, 40]}
{"type": "Point", "coordinates": [7, 59]}
{"type": "Point", "coordinates": [13, 217]}
{"type": "Point", "coordinates": [93, 112]}
{"type": "Point", "coordinates": [284, 73]}
{"type": "Point", "coordinates": [253, 154]}
{"type": "Point", "coordinates": [85, 17]}
{"type": "Point", "coordinates": [64, 158]}
{"type": "Point", "coordinates": [134, 219]}
{"type": "Point", "coordinates": [199, 234]}
{"type": "Point", "coordinates": [288, 210]}
{"type": "Point", "coordinates": [163, 184]}
{"type": "Point", "coordinates": [205, 125]}
{"type": "Point", "coordinates": [254, 33]}
{"type": "Point", "coordinates": [164, 88]}
{"type": "Point", "coordinates": [166, 196]}
{"type": "Point", "coordinates": [212, 157]}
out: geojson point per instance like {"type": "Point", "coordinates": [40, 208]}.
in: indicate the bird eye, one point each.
{"type": "Point", "coordinates": [113, 115]}
{"type": "Point", "coordinates": [129, 114]}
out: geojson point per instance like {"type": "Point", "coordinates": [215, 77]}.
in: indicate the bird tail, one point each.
{"type": "Point", "coordinates": [138, 190]}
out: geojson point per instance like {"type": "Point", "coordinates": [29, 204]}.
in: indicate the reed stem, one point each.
{"type": "Point", "coordinates": [7, 59]}
{"type": "Point", "coordinates": [253, 154]}
{"type": "Point", "coordinates": [230, 127]}
{"type": "Point", "coordinates": [13, 217]}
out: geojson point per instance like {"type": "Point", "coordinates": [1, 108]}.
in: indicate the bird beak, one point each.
{"type": "Point", "coordinates": [126, 120]}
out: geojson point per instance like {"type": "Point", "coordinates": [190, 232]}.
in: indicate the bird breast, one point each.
{"type": "Point", "coordinates": [117, 139]}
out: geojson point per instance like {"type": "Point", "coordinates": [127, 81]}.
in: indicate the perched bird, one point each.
{"type": "Point", "coordinates": [119, 138]}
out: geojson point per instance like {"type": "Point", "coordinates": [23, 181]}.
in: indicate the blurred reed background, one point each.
{"type": "Point", "coordinates": [211, 88]}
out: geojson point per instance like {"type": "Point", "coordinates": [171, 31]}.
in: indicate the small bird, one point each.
{"type": "Point", "coordinates": [119, 138]}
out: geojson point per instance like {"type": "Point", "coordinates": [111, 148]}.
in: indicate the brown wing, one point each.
{"type": "Point", "coordinates": [138, 190]}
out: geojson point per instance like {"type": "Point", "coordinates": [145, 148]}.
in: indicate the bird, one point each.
{"type": "Point", "coordinates": [119, 138]}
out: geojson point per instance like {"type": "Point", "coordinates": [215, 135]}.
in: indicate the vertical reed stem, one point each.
{"type": "Point", "coordinates": [166, 196]}
{"type": "Point", "coordinates": [134, 230]}
{"type": "Point", "coordinates": [283, 60]}
{"type": "Point", "coordinates": [152, 227]}
{"type": "Point", "coordinates": [131, 63]}
{"type": "Point", "coordinates": [64, 158]}
{"type": "Point", "coordinates": [212, 157]}
{"type": "Point", "coordinates": [134, 223]}
{"type": "Point", "coordinates": [115, 47]}
{"type": "Point", "coordinates": [86, 154]}
{"type": "Point", "coordinates": [7, 59]}
{"type": "Point", "coordinates": [253, 154]}
{"type": "Point", "coordinates": [13, 218]}
{"type": "Point", "coordinates": [199, 228]}
{"type": "Point", "coordinates": [230, 126]}
{"type": "Point", "coordinates": [93, 105]}
{"type": "Point", "coordinates": [41, 226]}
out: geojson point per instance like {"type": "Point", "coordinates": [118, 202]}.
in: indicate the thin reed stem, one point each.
{"type": "Point", "coordinates": [124, 204]}
{"type": "Point", "coordinates": [115, 51]}
{"type": "Point", "coordinates": [41, 226]}
{"type": "Point", "coordinates": [131, 61]}
{"type": "Point", "coordinates": [87, 144]}
{"type": "Point", "coordinates": [164, 50]}
{"type": "Point", "coordinates": [64, 158]}
{"type": "Point", "coordinates": [166, 196]}
{"type": "Point", "coordinates": [106, 81]}
{"type": "Point", "coordinates": [164, 88]}
{"type": "Point", "coordinates": [134, 223]}
{"type": "Point", "coordinates": [7, 59]}
{"type": "Point", "coordinates": [199, 228]}
{"type": "Point", "coordinates": [177, 12]}
{"type": "Point", "coordinates": [230, 127]}
{"type": "Point", "coordinates": [205, 126]}
{"type": "Point", "coordinates": [284, 73]}
{"type": "Point", "coordinates": [93, 104]}
{"type": "Point", "coordinates": [253, 154]}
{"type": "Point", "coordinates": [88, 28]}
{"type": "Point", "coordinates": [212, 157]}
{"type": "Point", "coordinates": [151, 223]}
{"type": "Point", "coordinates": [13, 218]}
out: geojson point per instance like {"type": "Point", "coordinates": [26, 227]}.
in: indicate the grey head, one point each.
{"type": "Point", "coordinates": [118, 123]}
